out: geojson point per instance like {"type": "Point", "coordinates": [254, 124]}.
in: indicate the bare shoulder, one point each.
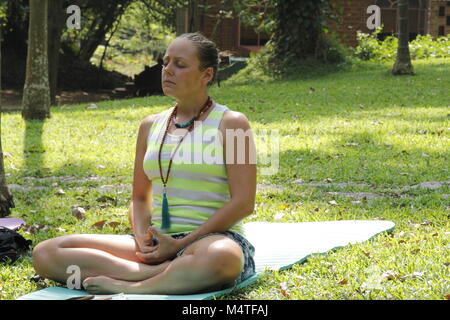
{"type": "Point", "coordinates": [148, 121]}
{"type": "Point", "coordinates": [146, 124]}
{"type": "Point", "coordinates": [234, 120]}
{"type": "Point", "coordinates": [144, 129]}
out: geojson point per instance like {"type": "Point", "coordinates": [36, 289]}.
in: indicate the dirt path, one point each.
{"type": "Point", "coordinates": [394, 193]}
{"type": "Point", "coordinates": [12, 99]}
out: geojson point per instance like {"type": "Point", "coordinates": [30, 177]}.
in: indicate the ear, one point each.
{"type": "Point", "coordinates": [208, 74]}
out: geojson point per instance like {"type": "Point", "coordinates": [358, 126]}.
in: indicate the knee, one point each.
{"type": "Point", "coordinates": [41, 256]}
{"type": "Point", "coordinates": [45, 252]}
{"type": "Point", "coordinates": [226, 263]}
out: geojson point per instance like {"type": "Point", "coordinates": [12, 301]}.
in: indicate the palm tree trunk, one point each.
{"type": "Point", "coordinates": [403, 63]}
{"type": "Point", "coordinates": [36, 92]}
{"type": "Point", "coordinates": [56, 21]}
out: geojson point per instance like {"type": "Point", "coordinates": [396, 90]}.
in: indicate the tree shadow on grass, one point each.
{"type": "Point", "coordinates": [33, 150]}
{"type": "Point", "coordinates": [360, 158]}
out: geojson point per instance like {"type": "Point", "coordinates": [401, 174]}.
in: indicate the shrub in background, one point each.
{"type": "Point", "coordinates": [423, 47]}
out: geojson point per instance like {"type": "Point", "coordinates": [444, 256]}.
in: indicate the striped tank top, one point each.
{"type": "Point", "coordinates": [198, 180]}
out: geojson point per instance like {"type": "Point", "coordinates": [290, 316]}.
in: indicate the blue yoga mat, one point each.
{"type": "Point", "coordinates": [294, 243]}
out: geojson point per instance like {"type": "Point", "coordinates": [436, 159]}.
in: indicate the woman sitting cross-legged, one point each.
{"type": "Point", "coordinates": [192, 188]}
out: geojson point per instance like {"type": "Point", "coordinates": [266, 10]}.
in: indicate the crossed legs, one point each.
{"type": "Point", "coordinates": [108, 264]}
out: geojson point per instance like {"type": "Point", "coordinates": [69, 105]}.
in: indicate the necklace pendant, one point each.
{"type": "Point", "coordinates": [165, 225]}
{"type": "Point", "coordinates": [183, 125]}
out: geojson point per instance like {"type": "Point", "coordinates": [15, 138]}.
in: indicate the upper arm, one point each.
{"type": "Point", "coordinates": [240, 157]}
{"type": "Point", "coordinates": [141, 183]}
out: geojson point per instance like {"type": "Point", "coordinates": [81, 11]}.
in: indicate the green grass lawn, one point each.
{"type": "Point", "coordinates": [359, 126]}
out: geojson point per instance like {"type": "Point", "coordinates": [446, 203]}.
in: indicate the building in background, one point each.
{"type": "Point", "coordinates": [225, 28]}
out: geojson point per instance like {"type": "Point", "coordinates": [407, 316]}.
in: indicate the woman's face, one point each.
{"type": "Point", "coordinates": [181, 76]}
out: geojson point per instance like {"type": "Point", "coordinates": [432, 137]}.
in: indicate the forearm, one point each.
{"type": "Point", "coordinates": [141, 215]}
{"type": "Point", "coordinates": [222, 220]}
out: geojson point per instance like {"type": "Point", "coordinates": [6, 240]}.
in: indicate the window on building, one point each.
{"type": "Point", "coordinates": [384, 3]}
{"type": "Point", "coordinates": [441, 31]}
{"type": "Point", "coordinates": [448, 3]}
{"type": "Point", "coordinates": [448, 20]}
{"type": "Point", "coordinates": [441, 11]}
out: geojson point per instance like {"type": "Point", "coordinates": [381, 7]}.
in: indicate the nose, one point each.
{"type": "Point", "coordinates": [167, 70]}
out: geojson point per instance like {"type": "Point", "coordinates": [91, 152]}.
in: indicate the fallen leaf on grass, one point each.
{"type": "Point", "coordinates": [113, 224]}
{"type": "Point", "coordinates": [35, 228]}
{"type": "Point", "coordinates": [390, 275]}
{"type": "Point", "coordinates": [78, 212]}
{"type": "Point", "coordinates": [98, 224]}
{"type": "Point", "coordinates": [107, 199]}
{"type": "Point", "coordinates": [368, 254]}
{"type": "Point", "coordinates": [343, 282]}
{"type": "Point", "coordinates": [447, 297]}
{"type": "Point", "coordinates": [284, 289]}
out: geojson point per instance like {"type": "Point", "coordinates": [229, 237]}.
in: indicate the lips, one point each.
{"type": "Point", "coordinates": [168, 81]}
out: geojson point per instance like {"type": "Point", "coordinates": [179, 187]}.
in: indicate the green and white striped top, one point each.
{"type": "Point", "coordinates": [198, 181]}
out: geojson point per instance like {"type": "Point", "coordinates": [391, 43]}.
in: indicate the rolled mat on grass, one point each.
{"type": "Point", "coordinates": [277, 246]}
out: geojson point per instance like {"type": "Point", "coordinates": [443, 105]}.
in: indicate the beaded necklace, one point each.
{"type": "Point", "coordinates": [165, 205]}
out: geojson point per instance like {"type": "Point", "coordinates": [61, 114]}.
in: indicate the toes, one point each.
{"type": "Point", "coordinates": [88, 283]}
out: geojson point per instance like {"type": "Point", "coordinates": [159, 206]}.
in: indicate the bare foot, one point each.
{"type": "Point", "coordinates": [104, 285]}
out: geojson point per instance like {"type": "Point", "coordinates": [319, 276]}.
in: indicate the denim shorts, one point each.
{"type": "Point", "coordinates": [247, 248]}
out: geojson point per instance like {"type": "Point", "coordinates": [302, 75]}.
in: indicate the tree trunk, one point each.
{"type": "Point", "coordinates": [101, 27]}
{"type": "Point", "coordinates": [6, 199]}
{"type": "Point", "coordinates": [36, 92]}
{"type": "Point", "coordinates": [56, 21]}
{"type": "Point", "coordinates": [297, 32]}
{"type": "Point", "coordinates": [403, 63]}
